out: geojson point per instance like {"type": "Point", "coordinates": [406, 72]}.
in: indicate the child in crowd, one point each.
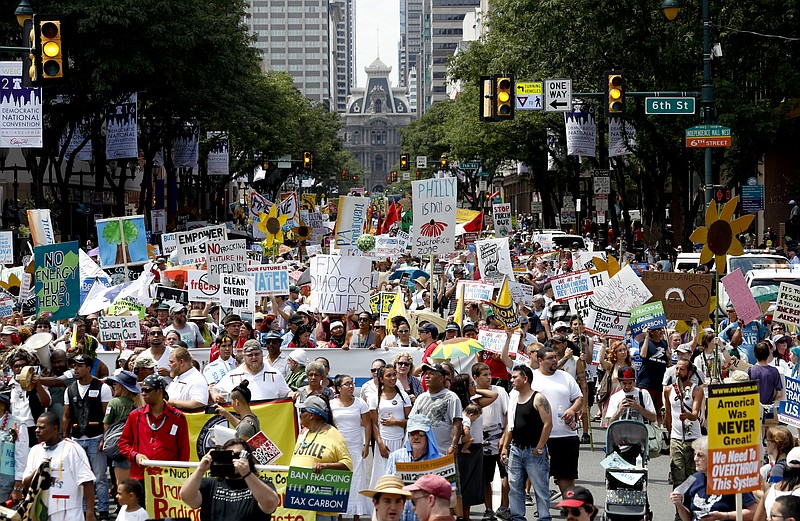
{"type": "Point", "coordinates": [129, 494]}
{"type": "Point", "coordinates": [471, 413]}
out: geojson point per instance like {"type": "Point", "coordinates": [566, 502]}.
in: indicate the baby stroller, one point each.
{"type": "Point", "coordinates": [626, 501]}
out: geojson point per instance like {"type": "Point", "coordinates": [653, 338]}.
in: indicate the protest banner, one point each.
{"type": "Point", "coordinates": [502, 220]}
{"type": "Point", "coordinates": [504, 307]}
{"type": "Point", "coordinates": [190, 246]}
{"type": "Point", "coordinates": [493, 340]}
{"type": "Point", "coordinates": [6, 248]}
{"type": "Point", "coordinates": [649, 315]}
{"type": "Point", "coordinates": [350, 221]}
{"type": "Point", "coordinates": [444, 466]}
{"type": "Point", "coordinates": [521, 293]}
{"type": "Point", "coordinates": [434, 213]}
{"type": "Point", "coordinates": [740, 296]}
{"type": "Point", "coordinates": [258, 205]}
{"type": "Point", "coordinates": [236, 291]}
{"type": "Point", "coordinates": [288, 206]}
{"type": "Point", "coordinates": [168, 294]}
{"type": "Point", "coordinates": [119, 328]}
{"type": "Point", "coordinates": [122, 305]}
{"type": "Point", "coordinates": [340, 283]}
{"type": "Point", "coordinates": [226, 257]}
{"type": "Point", "coordinates": [269, 279]}
{"type": "Point", "coordinates": [494, 259]}
{"type": "Point", "coordinates": [734, 438]}
{"type": "Point", "coordinates": [6, 306]}
{"type": "Point", "coordinates": [584, 260]}
{"type": "Point", "coordinates": [199, 288]}
{"type": "Point", "coordinates": [623, 292]}
{"type": "Point", "coordinates": [122, 241]}
{"type": "Point", "coordinates": [169, 242]}
{"type": "Point", "coordinates": [475, 290]}
{"type": "Point", "coordinates": [571, 285]}
{"type": "Point", "coordinates": [789, 408]}
{"type": "Point", "coordinates": [685, 295]}
{"type": "Point", "coordinates": [787, 307]}
{"type": "Point", "coordinates": [324, 491]}
{"type": "Point", "coordinates": [605, 321]}
{"type": "Point", "coordinates": [380, 304]}
{"type": "Point", "coordinates": [41, 225]}
{"type": "Point", "coordinates": [58, 285]}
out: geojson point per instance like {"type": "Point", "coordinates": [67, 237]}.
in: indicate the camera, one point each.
{"type": "Point", "coordinates": [222, 463]}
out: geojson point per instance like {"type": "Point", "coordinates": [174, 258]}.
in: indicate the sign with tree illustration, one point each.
{"type": "Point", "coordinates": [122, 241]}
{"type": "Point", "coordinates": [58, 285]}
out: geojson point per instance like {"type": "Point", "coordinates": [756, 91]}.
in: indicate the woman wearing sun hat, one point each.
{"type": "Point", "coordinates": [126, 389]}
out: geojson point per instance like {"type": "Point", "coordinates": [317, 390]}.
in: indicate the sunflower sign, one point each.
{"type": "Point", "coordinates": [434, 209]}
{"type": "Point", "coordinates": [718, 236]}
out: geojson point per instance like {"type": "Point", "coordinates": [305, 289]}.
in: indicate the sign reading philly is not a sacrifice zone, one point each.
{"type": "Point", "coordinates": [434, 207]}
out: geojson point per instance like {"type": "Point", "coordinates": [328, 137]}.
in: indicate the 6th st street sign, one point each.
{"type": "Point", "coordinates": [680, 105]}
{"type": "Point", "coordinates": [708, 136]}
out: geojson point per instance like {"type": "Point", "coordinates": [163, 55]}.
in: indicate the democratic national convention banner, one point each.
{"type": "Point", "coordinates": [76, 139]}
{"type": "Point", "coordinates": [740, 296]}
{"type": "Point", "coordinates": [734, 438]}
{"type": "Point", "coordinates": [122, 241]}
{"type": "Point", "coordinates": [351, 216]}
{"type": "Point", "coordinates": [621, 137]}
{"type": "Point", "coordinates": [20, 109]}
{"type": "Point", "coordinates": [58, 284]}
{"type": "Point", "coordinates": [434, 213]}
{"type": "Point", "coordinates": [121, 133]}
{"type": "Point", "coordinates": [41, 225]}
{"type": "Point", "coordinates": [685, 295]}
{"type": "Point", "coordinates": [650, 316]}
{"type": "Point", "coordinates": [789, 410]}
{"type": "Point", "coordinates": [340, 283]}
{"type": "Point", "coordinates": [787, 307]}
{"type": "Point", "coordinates": [186, 147]}
{"type": "Point", "coordinates": [494, 260]}
{"type": "Point", "coordinates": [581, 134]}
{"type": "Point", "coordinates": [218, 159]}
{"type": "Point", "coordinates": [325, 491]}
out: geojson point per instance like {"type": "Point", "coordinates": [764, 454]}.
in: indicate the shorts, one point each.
{"type": "Point", "coordinates": [592, 388]}
{"type": "Point", "coordinates": [564, 451]}
{"type": "Point", "coordinates": [124, 464]}
{"type": "Point", "coordinates": [658, 399]}
{"type": "Point", "coordinates": [489, 462]}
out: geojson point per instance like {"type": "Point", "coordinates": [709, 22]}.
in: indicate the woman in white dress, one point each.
{"type": "Point", "coordinates": [389, 409]}
{"type": "Point", "coordinates": [351, 415]}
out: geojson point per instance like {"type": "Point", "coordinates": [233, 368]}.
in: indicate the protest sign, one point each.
{"type": "Point", "coordinates": [502, 220]}
{"type": "Point", "coordinates": [226, 257]}
{"type": "Point", "coordinates": [605, 321]}
{"type": "Point", "coordinates": [493, 340]}
{"type": "Point", "coordinates": [521, 293]}
{"type": "Point", "coordinates": [169, 242]}
{"type": "Point", "coordinates": [6, 248]}
{"type": "Point", "coordinates": [119, 328]}
{"type": "Point", "coordinates": [381, 304]}
{"type": "Point", "coordinates": [579, 306]}
{"type": "Point", "coordinates": [444, 466]}
{"type": "Point", "coordinates": [199, 288]}
{"type": "Point", "coordinates": [434, 212]}
{"type": "Point", "coordinates": [168, 294]}
{"type": "Point", "coordinates": [190, 247]}
{"type": "Point", "coordinates": [685, 295]}
{"type": "Point", "coordinates": [350, 221]}
{"type": "Point", "coordinates": [584, 260]}
{"type": "Point", "coordinates": [623, 292]}
{"type": "Point", "coordinates": [571, 285]}
{"type": "Point", "coordinates": [270, 279]}
{"type": "Point", "coordinates": [740, 296]}
{"type": "Point", "coordinates": [265, 451]}
{"type": "Point", "coordinates": [236, 291]}
{"type": "Point", "coordinates": [787, 307]}
{"type": "Point", "coordinates": [122, 305]}
{"type": "Point", "coordinates": [122, 241]}
{"type": "Point", "coordinates": [258, 205]}
{"type": "Point", "coordinates": [789, 409]}
{"type": "Point", "coordinates": [734, 438]}
{"type": "Point", "coordinates": [494, 259]}
{"type": "Point", "coordinates": [6, 306]}
{"type": "Point", "coordinates": [289, 207]}
{"type": "Point", "coordinates": [340, 283]}
{"type": "Point", "coordinates": [58, 285]}
{"type": "Point", "coordinates": [324, 491]}
{"type": "Point", "coordinates": [649, 315]}
{"type": "Point", "coordinates": [41, 225]}
{"type": "Point", "coordinates": [504, 308]}
{"type": "Point", "coordinates": [387, 246]}
{"type": "Point", "coordinates": [475, 290]}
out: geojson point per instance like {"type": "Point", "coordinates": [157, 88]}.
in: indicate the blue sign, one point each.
{"type": "Point", "coordinates": [752, 198]}
{"type": "Point", "coordinates": [648, 315]}
{"type": "Point", "coordinates": [789, 409]}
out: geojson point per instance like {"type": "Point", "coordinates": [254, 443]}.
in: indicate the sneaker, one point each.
{"type": "Point", "coordinates": [102, 516]}
{"type": "Point", "coordinates": [585, 439]}
{"type": "Point", "coordinates": [488, 514]}
{"type": "Point", "coordinates": [503, 513]}
{"type": "Point", "coordinates": [528, 500]}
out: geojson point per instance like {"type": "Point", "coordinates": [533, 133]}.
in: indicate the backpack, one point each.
{"type": "Point", "coordinates": [657, 437]}
{"type": "Point", "coordinates": [111, 442]}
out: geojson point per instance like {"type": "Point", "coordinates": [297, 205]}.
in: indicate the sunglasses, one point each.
{"type": "Point", "coordinates": [403, 363]}
{"type": "Point", "coordinates": [363, 319]}
{"type": "Point", "coordinates": [401, 331]}
{"type": "Point", "coordinates": [574, 512]}
{"type": "Point", "coordinates": [146, 390]}
{"type": "Point", "coordinates": [156, 333]}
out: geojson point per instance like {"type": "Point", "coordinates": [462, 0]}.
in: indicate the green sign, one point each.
{"type": "Point", "coordinates": [708, 131]}
{"type": "Point", "coordinates": [681, 105]}
{"type": "Point", "coordinates": [470, 165]}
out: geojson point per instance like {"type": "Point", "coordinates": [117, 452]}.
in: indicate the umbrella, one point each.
{"type": "Point", "coordinates": [764, 293]}
{"type": "Point", "coordinates": [418, 316]}
{"type": "Point", "coordinates": [456, 348]}
{"type": "Point", "coordinates": [305, 278]}
{"type": "Point", "coordinates": [414, 272]}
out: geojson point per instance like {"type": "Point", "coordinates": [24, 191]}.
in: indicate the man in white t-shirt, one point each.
{"type": "Point", "coordinates": [188, 331]}
{"type": "Point", "coordinates": [632, 403]}
{"type": "Point", "coordinates": [158, 351]}
{"type": "Point", "coordinates": [264, 382]}
{"type": "Point", "coordinates": [188, 389]}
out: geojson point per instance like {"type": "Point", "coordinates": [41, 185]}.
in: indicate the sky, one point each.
{"type": "Point", "coordinates": [377, 23]}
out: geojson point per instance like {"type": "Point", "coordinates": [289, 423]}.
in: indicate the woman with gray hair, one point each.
{"type": "Point", "coordinates": [315, 372]}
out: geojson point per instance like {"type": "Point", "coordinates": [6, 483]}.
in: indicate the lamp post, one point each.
{"type": "Point", "coordinates": [671, 9]}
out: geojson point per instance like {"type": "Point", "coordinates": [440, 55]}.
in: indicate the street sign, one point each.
{"type": "Point", "coordinates": [537, 207]}
{"type": "Point", "coordinates": [422, 161]}
{"type": "Point", "coordinates": [707, 136]}
{"type": "Point", "coordinates": [469, 165]}
{"type": "Point", "coordinates": [406, 176]}
{"type": "Point", "coordinates": [529, 96]}
{"type": "Point", "coordinates": [285, 161]}
{"type": "Point", "coordinates": [557, 95]}
{"type": "Point", "coordinates": [752, 196]}
{"type": "Point", "coordinates": [680, 105]}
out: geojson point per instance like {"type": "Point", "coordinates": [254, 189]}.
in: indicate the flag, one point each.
{"type": "Point", "coordinates": [458, 316]}
{"type": "Point", "coordinates": [504, 308]}
{"type": "Point", "coordinates": [392, 216]}
{"type": "Point", "coordinates": [476, 224]}
{"type": "Point", "coordinates": [398, 308]}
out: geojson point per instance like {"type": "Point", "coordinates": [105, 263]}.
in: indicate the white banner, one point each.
{"type": "Point", "coordinates": [434, 211]}
{"type": "Point", "coordinates": [218, 162]}
{"type": "Point", "coordinates": [584, 260]}
{"type": "Point", "coordinates": [119, 328]}
{"type": "Point", "coordinates": [521, 292]}
{"type": "Point", "coordinates": [186, 147]}
{"type": "Point", "coordinates": [121, 130]}
{"type": "Point", "coordinates": [475, 290]}
{"type": "Point", "coordinates": [20, 109]}
{"type": "Point", "coordinates": [787, 307]}
{"type": "Point", "coordinates": [502, 220]}
{"type": "Point", "coordinates": [580, 306]}
{"type": "Point", "coordinates": [581, 134]}
{"type": "Point", "coordinates": [41, 226]}
{"type": "Point", "coordinates": [236, 292]}
{"type": "Point", "coordinates": [609, 322]}
{"type": "Point", "coordinates": [340, 283]}
{"type": "Point", "coordinates": [493, 340]}
{"type": "Point", "coordinates": [621, 137]}
{"type": "Point", "coordinates": [199, 288]}
{"type": "Point", "coordinates": [190, 246]}
{"type": "Point", "coordinates": [623, 292]}
{"type": "Point", "coordinates": [494, 259]}
{"type": "Point", "coordinates": [226, 257]}
{"type": "Point", "coordinates": [270, 279]}
{"type": "Point", "coordinates": [6, 248]}
{"type": "Point", "coordinates": [352, 214]}
{"type": "Point", "coordinates": [571, 285]}
{"type": "Point", "coordinates": [258, 205]}
{"type": "Point", "coordinates": [76, 139]}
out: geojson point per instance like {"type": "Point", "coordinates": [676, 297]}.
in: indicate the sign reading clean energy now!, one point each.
{"type": "Point", "coordinates": [734, 438]}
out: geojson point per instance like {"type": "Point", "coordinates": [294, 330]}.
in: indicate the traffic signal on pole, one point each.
{"type": "Point", "coordinates": [504, 97]}
{"type": "Point", "coordinates": [389, 178]}
{"type": "Point", "coordinates": [417, 175]}
{"type": "Point", "coordinates": [404, 162]}
{"type": "Point", "coordinates": [355, 178]}
{"type": "Point", "coordinates": [443, 162]}
{"type": "Point", "coordinates": [722, 194]}
{"type": "Point", "coordinates": [344, 175]}
{"type": "Point", "coordinates": [46, 63]}
{"type": "Point", "coordinates": [394, 176]}
{"type": "Point", "coordinates": [486, 98]}
{"type": "Point", "coordinates": [615, 92]}
{"type": "Point", "coordinates": [308, 160]}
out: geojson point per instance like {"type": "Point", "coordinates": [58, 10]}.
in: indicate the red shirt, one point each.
{"type": "Point", "coordinates": [169, 441]}
{"type": "Point", "coordinates": [497, 368]}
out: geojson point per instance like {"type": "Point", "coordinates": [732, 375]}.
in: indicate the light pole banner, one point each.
{"type": "Point", "coordinates": [75, 141]}
{"type": "Point", "coordinates": [121, 130]}
{"type": "Point", "coordinates": [218, 160]}
{"type": "Point", "coordinates": [581, 134]}
{"type": "Point", "coordinates": [621, 137]}
{"type": "Point", "coordinates": [434, 211]}
{"type": "Point", "coordinates": [186, 146]}
{"type": "Point", "coordinates": [20, 109]}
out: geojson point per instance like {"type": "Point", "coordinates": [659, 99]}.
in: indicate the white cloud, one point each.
{"type": "Point", "coordinates": [377, 21]}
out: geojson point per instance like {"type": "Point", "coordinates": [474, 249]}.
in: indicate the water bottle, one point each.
{"type": "Point", "coordinates": [639, 462]}
{"type": "Point", "coordinates": [560, 411]}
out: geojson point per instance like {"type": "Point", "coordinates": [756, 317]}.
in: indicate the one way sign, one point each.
{"type": "Point", "coordinates": [557, 95]}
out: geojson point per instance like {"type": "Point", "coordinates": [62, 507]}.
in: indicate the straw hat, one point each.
{"type": "Point", "coordinates": [25, 378]}
{"type": "Point", "coordinates": [389, 484]}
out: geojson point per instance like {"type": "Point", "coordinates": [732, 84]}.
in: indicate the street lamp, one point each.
{"type": "Point", "coordinates": [23, 12]}
{"type": "Point", "coordinates": [671, 9]}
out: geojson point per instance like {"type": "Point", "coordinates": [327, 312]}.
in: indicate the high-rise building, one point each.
{"type": "Point", "coordinates": [343, 48]}
{"type": "Point", "coordinates": [412, 89]}
{"type": "Point", "coordinates": [411, 25]}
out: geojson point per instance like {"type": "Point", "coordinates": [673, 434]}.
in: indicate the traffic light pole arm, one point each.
{"type": "Point", "coordinates": [15, 50]}
{"type": "Point", "coordinates": [657, 94]}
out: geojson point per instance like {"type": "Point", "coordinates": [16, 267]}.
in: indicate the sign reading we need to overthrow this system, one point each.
{"type": "Point", "coordinates": [434, 209]}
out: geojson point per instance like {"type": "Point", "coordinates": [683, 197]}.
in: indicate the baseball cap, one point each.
{"type": "Point", "coordinates": [161, 260]}
{"type": "Point", "coordinates": [251, 345]}
{"type": "Point", "coordinates": [258, 316]}
{"type": "Point", "coordinates": [560, 324]}
{"type": "Point", "coordinates": [144, 362]}
{"type": "Point", "coordinates": [793, 458]}
{"type": "Point", "coordinates": [299, 355]}
{"type": "Point", "coordinates": [82, 359]}
{"type": "Point", "coordinates": [470, 327]}
{"type": "Point", "coordinates": [418, 422]}
{"type": "Point", "coordinates": [433, 484]}
{"type": "Point", "coordinates": [434, 367]}
{"type": "Point", "coordinates": [296, 320]}
{"type": "Point", "coordinates": [626, 372]}
{"type": "Point", "coordinates": [576, 496]}
{"type": "Point", "coordinates": [558, 337]}
{"type": "Point", "coordinates": [273, 335]}
{"type": "Point", "coordinates": [452, 327]}
{"type": "Point", "coordinates": [294, 289]}
{"type": "Point", "coordinates": [430, 328]}
{"type": "Point", "coordinates": [684, 348]}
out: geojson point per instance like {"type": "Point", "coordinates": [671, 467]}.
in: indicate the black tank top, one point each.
{"type": "Point", "coordinates": [528, 424]}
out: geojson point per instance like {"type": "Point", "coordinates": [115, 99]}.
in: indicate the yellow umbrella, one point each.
{"type": "Point", "coordinates": [456, 347]}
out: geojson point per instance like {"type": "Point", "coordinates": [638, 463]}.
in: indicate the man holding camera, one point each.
{"type": "Point", "coordinates": [631, 403]}
{"type": "Point", "coordinates": [234, 491]}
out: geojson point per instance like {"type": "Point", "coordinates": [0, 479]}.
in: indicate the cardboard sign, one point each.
{"type": "Point", "coordinates": [270, 279]}
{"type": "Point", "coordinates": [685, 295]}
{"type": "Point", "coordinates": [236, 292]}
{"type": "Point", "coordinates": [340, 283]}
{"type": "Point", "coordinates": [226, 257]}
{"type": "Point", "coordinates": [521, 293]}
{"type": "Point", "coordinates": [789, 410]}
{"type": "Point", "coordinates": [324, 491]}
{"type": "Point", "coordinates": [741, 297]}
{"type": "Point", "coordinates": [502, 220]}
{"type": "Point", "coordinates": [190, 247]}
{"type": "Point", "coordinates": [494, 259]}
{"type": "Point", "coordinates": [434, 214]}
{"type": "Point", "coordinates": [609, 322]}
{"type": "Point", "coordinates": [493, 340]}
{"type": "Point", "coordinates": [119, 329]}
{"type": "Point", "coordinates": [58, 285]}
{"type": "Point", "coordinates": [623, 292]}
{"type": "Point", "coordinates": [787, 307]}
{"type": "Point", "coordinates": [199, 288]}
{"type": "Point", "coordinates": [734, 438]}
{"type": "Point", "coordinates": [572, 285]}
{"type": "Point", "coordinates": [475, 290]}
{"type": "Point", "coordinates": [647, 315]}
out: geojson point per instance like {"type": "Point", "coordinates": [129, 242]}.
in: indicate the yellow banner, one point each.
{"type": "Point", "coordinates": [308, 201]}
{"type": "Point", "coordinates": [734, 438]}
{"type": "Point", "coordinates": [464, 216]}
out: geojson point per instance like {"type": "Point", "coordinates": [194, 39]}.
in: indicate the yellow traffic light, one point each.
{"type": "Point", "coordinates": [504, 97]}
{"type": "Point", "coordinates": [443, 162]}
{"type": "Point", "coordinates": [308, 160]}
{"type": "Point", "coordinates": [615, 92]}
{"type": "Point", "coordinates": [49, 55]}
{"type": "Point", "coordinates": [404, 162]}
